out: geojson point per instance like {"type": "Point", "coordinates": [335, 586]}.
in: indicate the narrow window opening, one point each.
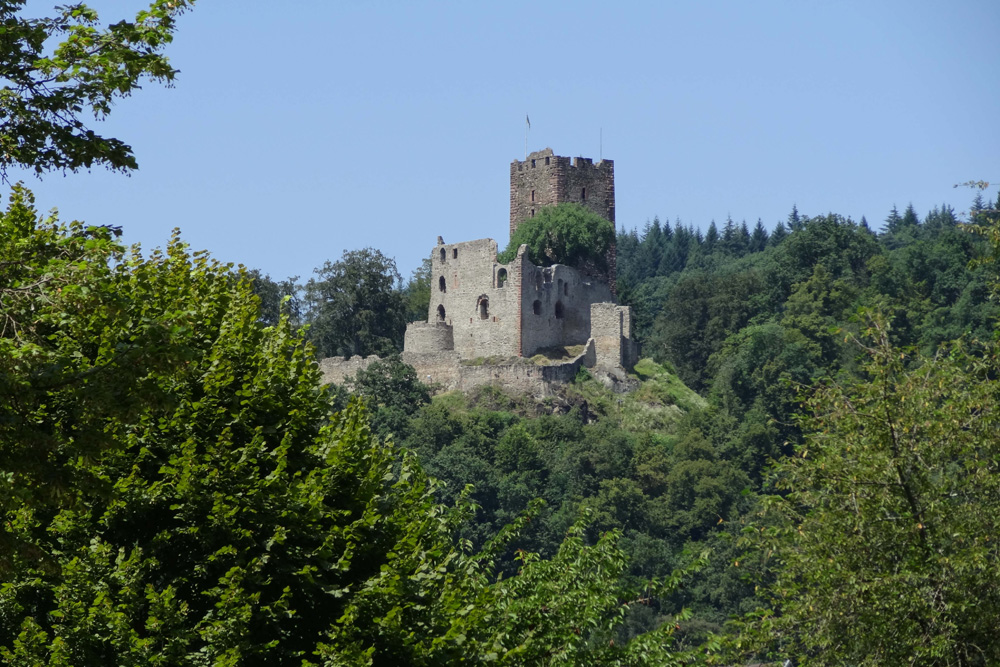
{"type": "Point", "coordinates": [532, 163]}
{"type": "Point", "coordinates": [440, 313]}
{"type": "Point", "coordinates": [565, 289]}
{"type": "Point", "coordinates": [501, 277]}
{"type": "Point", "coordinates": [536, 307]}
{"type": "Point", "coordinates": [538, 281]}
{"type": "Point", "coordinates": [442, 284]}
{"type": "Point", "coordinates": [484, 308]}
{"type": "Point", "coordinates": [559, 310]}
{"type": "Point", "coordinates": [454, 253]}
{"type": "Point", "coordinates": [532, 213]}
{"type": "Point", "coordinates": [583, 194]}
{"type": "Point", "coordinates": [443, 254]}
{"type": "Point", "coordinates": [546, 161]}
{"type": "Point", "coordinates": [532, 195]}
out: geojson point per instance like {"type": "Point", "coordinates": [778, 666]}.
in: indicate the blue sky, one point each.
{"type": "Point", "coordinates": [299, 129]}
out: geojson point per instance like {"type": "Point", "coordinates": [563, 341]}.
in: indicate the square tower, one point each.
{"type": "Point", "coordinates": [545, 179]}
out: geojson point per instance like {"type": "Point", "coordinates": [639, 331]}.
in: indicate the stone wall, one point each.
{"type": "Point", "coordinates": [478, 297]}
{"type": "Point", "coordinates": [429, 337]}
{"type": "Point", "coordinates": [545, 179]}
{"type": "Point", "coordinates": [336, 369]}
{"type": "Point", "coordinates": [611, 330]}
{"type": "Point", "coordinates": [556, 307]}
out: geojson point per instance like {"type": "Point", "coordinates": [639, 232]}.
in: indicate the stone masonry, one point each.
{"type": "Point", "coordinates": [546, 179]}
{"type": "Point", "coordinates": [486, 319]}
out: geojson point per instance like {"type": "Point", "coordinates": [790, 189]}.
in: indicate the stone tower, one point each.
{"type": "Point", "coordinates": [545, 179]}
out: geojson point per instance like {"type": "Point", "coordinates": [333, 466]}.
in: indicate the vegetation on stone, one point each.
{"type": "Point", "coordinates": [564, 234]}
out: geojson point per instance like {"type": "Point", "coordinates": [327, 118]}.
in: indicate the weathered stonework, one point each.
{"type": "Point", "coordinates": [486, 319]}
{"type": "Point", "coordinates": [546, 179]}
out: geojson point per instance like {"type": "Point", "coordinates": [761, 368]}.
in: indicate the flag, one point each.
{"type": "Point", "coordinates": [527, 120]}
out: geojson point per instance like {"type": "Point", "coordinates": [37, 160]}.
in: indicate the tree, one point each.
{"type": "Point", "coordinates": [60, 67]}
{"type": "Point", "coordinates": [176, 491]}
{"type": "Point", "coordinates": [758, 241]}
{"type": "Point", "coordinates": [564, 234]}
{"type": "Point", "coordinates": [356, 306]}
{"type": "Point", "coordinates": [417, 293]}
{"type": "Point", "coordinates": [277, 298]}
{"type": "Point", "coordinates": [882, 543]}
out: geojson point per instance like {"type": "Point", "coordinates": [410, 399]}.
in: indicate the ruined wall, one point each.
{"type": "Point", "coordinates": [336, 369]}
{"type": "Point", "coordinates": [428, 337]}
{"type": "Point", "coordinates": [478, 297]}
{"type": "Point", "coordinates": [611, 330]}
{"type": "Point", "coordinates": [556, 307]}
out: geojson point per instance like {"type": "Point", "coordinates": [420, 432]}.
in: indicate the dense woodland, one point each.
{"type": "Point", "coordinates": [807, 471]}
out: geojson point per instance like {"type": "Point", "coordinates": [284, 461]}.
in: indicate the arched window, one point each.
{"type": "Point", "coordinates": [501, 277]}
{"type": "Point", "coordinates": [443, 255]}
{"type": "Point", "coordinates": [440, 313]}
{"type": "Point", "coordinates": [484, 308]}
{"type": "Point", "coordinates": [559, 309]}
{"type": "Point", "coordinates": [536, 307]}
{"type": "Point", "coordinates": [442, 283]}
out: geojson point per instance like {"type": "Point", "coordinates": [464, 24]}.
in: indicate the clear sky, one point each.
{"type": "Point", "coordinates": [299, 129]}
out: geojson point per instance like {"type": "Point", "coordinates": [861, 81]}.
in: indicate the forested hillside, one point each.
{"type": "Point", "coordinates": [754, 322]}
{"type": "Point", "coordinates": [807, 471]}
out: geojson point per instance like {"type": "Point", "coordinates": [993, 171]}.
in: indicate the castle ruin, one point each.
{"type": "Point", "coordinates": [486, 320]}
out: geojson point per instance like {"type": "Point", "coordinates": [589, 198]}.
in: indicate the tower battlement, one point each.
{"type": "Point", "coordinates": [546, 179]}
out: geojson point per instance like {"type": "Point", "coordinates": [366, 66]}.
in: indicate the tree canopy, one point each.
{"type": "Point", "coordinates": [563, 234]}
{"type": "Point", "coordinates": [57, 69]}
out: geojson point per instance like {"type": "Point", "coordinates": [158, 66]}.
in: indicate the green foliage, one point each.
{"type": "Point", "coordinates": [883, 542]}
{"type": "Point", "coordinates": [393, 393]}
{"type": "Point", "coordinates": [417, 293]}
{"type": "Point", "coordinates": [564, 234]}
{"type": "Point", "coordinates": [277, 298]}
{"type": "Point", "coordinates": [355, 306]}
{"type": "Point", "coordinates": [175, 491]}
{"type": "Point", "coordinates": [57, 68]}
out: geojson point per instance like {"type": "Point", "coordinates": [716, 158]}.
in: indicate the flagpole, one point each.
{"type": "Point", "coordinates": [527, 126]}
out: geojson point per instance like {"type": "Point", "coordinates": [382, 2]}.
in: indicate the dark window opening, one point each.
{"type": "Point", "coordinates": [538, 281]}
{"type": "Point", "coordinates": [532, 213]}
{"type": "Point", "coordinates": [443, 255]}
{"type": "Point", "coordinates": [536, 307]}
{"type": "Point", "coordinates": [440, 313]}
{"type": "Point", "coordinates": [583, 194]}
{"type": "Point", "coordinates": [501, 277]}
{"type": "Point", "coordinates": [454, 253]}
{"type": "Point", "coordinates": [559, 309]}
{"type": "Point", "coordinates": [565, 289]}
{"type": "Point", "coordinates": [546, 160]}
{"type": "Point", "coordinates": [484, 308]}
{"type": "Point", "coordinates": [442, 284]}
{"type": "Point", "coordinates": [532, 163]}
{"type": "Point", "coordinates": [532, 195]}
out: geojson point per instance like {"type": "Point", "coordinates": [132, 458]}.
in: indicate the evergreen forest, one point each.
{"type": "Point", "coordinates": [807, 471]}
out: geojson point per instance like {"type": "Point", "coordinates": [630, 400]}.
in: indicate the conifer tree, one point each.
{"type": "Point", "coordinates": [778, 235]}
{"type": "Point", "coordinates": [711, 237]}
{"type": "Point", "coordinates": [893, 222]}
{"type": "Point", "coordinates": [758, 241]}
